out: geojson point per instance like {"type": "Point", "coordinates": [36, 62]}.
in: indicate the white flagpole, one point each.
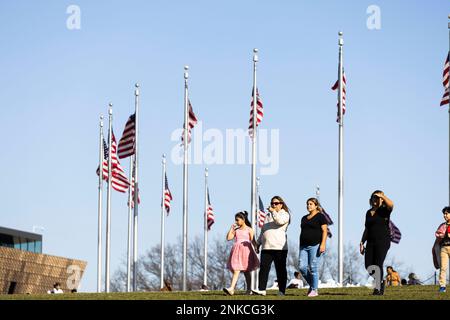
{"type": "Point", "coordinates": [256, 226]}
{"type": "Point", "coordinates": [108, 205]}
{"type": "Point", "coordinates": [136, 186]}
{"type": "Point", "coordinates": [100, 200]}
{"type": "Point", "coordinates": [341, 170]}
{"type": "Point", "coordinates": [205, 252]}
{"type": "Point", "coordinates": [448, 88]}
{"type": "Point", "coordinates": [185, 178]}
{"type": "Point", "coordinates": [256, 222]}
{"type": "Point", "coordinates": [130, 227]}
{"type": "Point", "coordinates": [163, 192]}
{"type": "Point", "coordinates": [253, 182]}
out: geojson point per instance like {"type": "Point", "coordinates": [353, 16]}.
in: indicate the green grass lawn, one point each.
{"type": "Point", "coordinates": [400, 293]}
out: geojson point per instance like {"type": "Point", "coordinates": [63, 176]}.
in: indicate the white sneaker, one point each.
{"type": "Point", "coordinates": [259, 292]}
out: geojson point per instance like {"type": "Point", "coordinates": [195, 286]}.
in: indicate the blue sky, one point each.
{"type": "Point", "coordinates": [55, 83]}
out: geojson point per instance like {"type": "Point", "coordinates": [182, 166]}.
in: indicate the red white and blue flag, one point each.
{"type": "Point", "coordinates": [167, 195]}
{"type": "Point", "coordinates": [209, 213]}
{"type": "Point", "coordinates": [344, 92]}
{"type": "Point", "coordinates": [261, 214]}
{"type": "Point", "coordinates": [119, 180]}
{"type": "Point", "coordinates": [259, 112]}
{"type": "Point", "coordinates": [126, 143]}
{"type": "Point", "coordinates": [192, 120]}
{"type": "Point", "coordinates": [446, 79]}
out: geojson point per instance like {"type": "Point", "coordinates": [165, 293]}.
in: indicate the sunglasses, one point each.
{"type": "Point", "coordinates": [275, 203]}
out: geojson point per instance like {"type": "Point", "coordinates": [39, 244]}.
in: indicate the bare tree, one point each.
{"type": "Point", "coordinates": [148, 269]}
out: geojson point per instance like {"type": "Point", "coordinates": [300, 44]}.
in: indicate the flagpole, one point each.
{"type": "Point", "coordinates": [448, 88]}
{"type": "Point", "coordinates": [163, 192]}
{"type": "Point", "coordinates": [256, 222]}
{"type": "Point", "coordinates": [100, 200]}
{"type": "Point", "coordinates": [341, 170]}
{"type": "Point", "coordinates": [130, 226]}
{"type": "Point", "coordinates": [185, 177]}
{"type": "Point", "coordinates": [205, 252]}
{"type": "Point", "coordinates": [108, 205]}
{"type": "Point", "coordinates": [253, 182]}
{"type": "Point", "coordinates": [255, 225]}
{"type": "Point", "coordinates": [136, 186]}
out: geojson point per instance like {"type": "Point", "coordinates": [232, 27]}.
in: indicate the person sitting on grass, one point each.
{"type": "Point", "coordinates": [56, 289]}
{"type": "Point", "coordinates": [296, 282]}
{"type": "Point", "coordinates": [392, 278]}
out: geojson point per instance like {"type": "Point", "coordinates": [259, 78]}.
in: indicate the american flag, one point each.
{"type": "Point", "coordinates": [336, 87]}
{"type": "Point", "coordinates": [209, 213]}
{"type": "Point", "coordinates": [126, 143]}
{"type": "Point", "coordinates": [132, 192]}
{"type": "Point", "coordinates": [395, 233]}
{"type": "Point", "coordinates": [192, 120]}
{"type": "Point", "coordinates": [446, 74]}
{"type": "Point", "coordinates": [167, 195]}
{"type": "Point", "coordinates": [119, 180]}
{"type": "Point", "coordinates": [259, 112]}
{"type": "Point", "coordinates": [261, 214]}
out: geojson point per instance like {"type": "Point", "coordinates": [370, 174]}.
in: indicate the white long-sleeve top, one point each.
{"type": "Point", "coordinates": [273, 233]}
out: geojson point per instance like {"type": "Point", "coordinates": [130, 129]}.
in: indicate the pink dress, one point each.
{"type": "Point", "coordinates": [242, 257]}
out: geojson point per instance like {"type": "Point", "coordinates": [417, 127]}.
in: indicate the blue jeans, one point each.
{"type": "Point", "coordinates": [309, 259]}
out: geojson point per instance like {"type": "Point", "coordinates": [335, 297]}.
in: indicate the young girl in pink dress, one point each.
{"type": "Point", "coordinates": [243, 256]}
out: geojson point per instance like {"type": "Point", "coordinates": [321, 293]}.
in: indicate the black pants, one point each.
{"type": "Point", "coordinates": [279, 257]}
{"type": "Point", "coordinates": [375, 255]}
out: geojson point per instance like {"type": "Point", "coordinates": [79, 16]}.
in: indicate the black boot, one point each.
{"type": "Point", "coordinates": [382, 289]}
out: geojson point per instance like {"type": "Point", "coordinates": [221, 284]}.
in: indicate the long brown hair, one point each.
{"type": "Point", "coordinates": [284, 206]}
{"type": "Point", "coordinates": [316, 202]}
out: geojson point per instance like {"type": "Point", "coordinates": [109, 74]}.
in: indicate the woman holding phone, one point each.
{"type": "Point", "coordinates": [273, 240]}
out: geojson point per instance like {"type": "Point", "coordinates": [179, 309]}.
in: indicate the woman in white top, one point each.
{"type": "Point", "coordinates": [273, 240]}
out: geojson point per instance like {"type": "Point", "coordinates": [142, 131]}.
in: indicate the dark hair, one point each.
{"type": "Point", "coordinates": [390, 267]}
{"type": "Point", "coordinates": [316, 202]}
{"type": "Point", "coordinates": [244, 216]}
{"type": "Point", "coordinates": [446, 209]}
{"type": "Point", "coordinates": [296, 273]}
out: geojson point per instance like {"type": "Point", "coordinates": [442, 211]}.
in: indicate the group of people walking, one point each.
{"type": "Point", "coordinates": [273, 246]}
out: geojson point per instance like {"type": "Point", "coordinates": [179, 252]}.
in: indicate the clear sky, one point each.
{"type": "Point", "coordinates": [55, 82]}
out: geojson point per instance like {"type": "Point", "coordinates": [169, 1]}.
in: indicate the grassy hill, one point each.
{"type": "Point", "coordinates": [399, 293]}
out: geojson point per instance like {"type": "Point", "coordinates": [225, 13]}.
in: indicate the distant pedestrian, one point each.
{"type": "Point", "coordinates": [377, 234]}
{"type": "Point", "coordinates": [443, 240]}
{"type": "Point", "coordinates": [413, 279]}
{"type": "Point", "coordinates": [243, 256]}
{"type": "Point", "coordinates": [313, 239]}
{"type": "Point", "coordinates": [56, 289]}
